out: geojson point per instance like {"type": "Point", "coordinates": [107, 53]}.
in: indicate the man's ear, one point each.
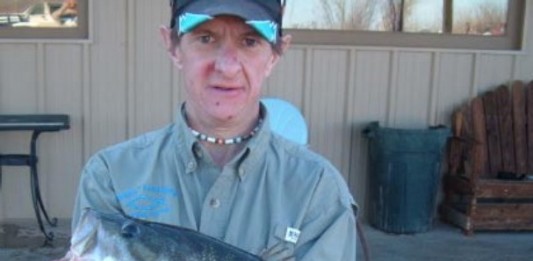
{"type": "Point", "coordinates": [170, 46]}
{"type": "Point", "coordinates": [285, 43]}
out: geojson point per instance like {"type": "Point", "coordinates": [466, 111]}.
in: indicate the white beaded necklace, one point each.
{"type": "Point", "coordinates": [220, 141]}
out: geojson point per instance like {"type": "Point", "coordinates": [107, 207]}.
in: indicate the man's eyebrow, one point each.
{"type": "Point", "coordinates": [252, 33]}
{"type": "Point", "coordinates": [201, 31]}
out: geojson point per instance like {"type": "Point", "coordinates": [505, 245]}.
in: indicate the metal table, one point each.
{"type": "Point", "coordinates": [37, 123]}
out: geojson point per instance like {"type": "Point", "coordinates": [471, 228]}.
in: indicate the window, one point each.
{"type": "Point", "coordinates": [49, 19]}
{"type": "Point", "coordinates": [466, 24]}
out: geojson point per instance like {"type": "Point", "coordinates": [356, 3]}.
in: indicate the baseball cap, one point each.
{"type": "Point", "coordinates": [262, 15]}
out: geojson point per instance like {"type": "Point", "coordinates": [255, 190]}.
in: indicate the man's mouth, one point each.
{"type": "Point", "coordinates": [219, 88]}
{"type": "Point", "coordinates": [227, 89]}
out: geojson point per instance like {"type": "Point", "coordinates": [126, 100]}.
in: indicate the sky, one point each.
{"type": "Point", "coordinates": [299, 11]}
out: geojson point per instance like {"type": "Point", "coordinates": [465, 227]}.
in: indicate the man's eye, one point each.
{"type": "Point", "coordinates": [251, 42]}
{"type": "Point", "coordinates": [205, 38]}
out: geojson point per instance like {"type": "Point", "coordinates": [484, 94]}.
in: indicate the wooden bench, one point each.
{"type": "Point", "coordinates": [488, 185]}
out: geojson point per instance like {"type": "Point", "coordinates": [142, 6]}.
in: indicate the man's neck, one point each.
{"type": "Point", "coordinates": [222, 129]}
{"type": "Point", "coordinates": [222, 154]}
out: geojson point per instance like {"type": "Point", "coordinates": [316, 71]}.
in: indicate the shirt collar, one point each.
{"type": "Point", "coordinates": [186, 142]}
{"type": "Point", "coordinates": [248, 159]}
{"type": "Point", "coordinates": [256, 147]}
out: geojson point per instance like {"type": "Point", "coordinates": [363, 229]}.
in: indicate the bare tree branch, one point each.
{"type": "Point", "coordinates": [489, 19]}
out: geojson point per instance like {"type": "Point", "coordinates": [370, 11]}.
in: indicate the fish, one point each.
{"type": "Point", "coordinates": [114, 236]}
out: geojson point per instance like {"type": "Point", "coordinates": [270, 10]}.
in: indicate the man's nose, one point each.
{"type": "Point", "coordinates": [227, 61]}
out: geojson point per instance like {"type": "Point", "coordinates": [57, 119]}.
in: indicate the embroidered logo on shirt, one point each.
{"type": "Point", "coordinates": [292, 235]}
{"type": "Point", "coordinates": [146, 201]}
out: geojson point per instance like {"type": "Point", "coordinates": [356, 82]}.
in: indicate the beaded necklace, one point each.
{"type": "Point", "coordinates": [234, 140]}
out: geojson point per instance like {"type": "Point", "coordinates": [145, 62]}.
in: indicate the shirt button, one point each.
{"type": "Point", "coordinates": [191, 166]}
{"type": "Point", "coordinates": [215, 203]}
{"type": "Point", "coordinates": [198, 152]}
{"type": "Point", "coordinates": [241, 171]}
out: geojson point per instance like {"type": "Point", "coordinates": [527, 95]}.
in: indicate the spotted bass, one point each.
{"type": "Point", "coordinates": [101, 236]}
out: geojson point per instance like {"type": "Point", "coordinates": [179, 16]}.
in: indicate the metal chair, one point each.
{"type": "Point", "coordinates": [286, 120]}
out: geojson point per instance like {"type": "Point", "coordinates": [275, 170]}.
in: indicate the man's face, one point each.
{"type": "Point", "coordinates": [224, 62]}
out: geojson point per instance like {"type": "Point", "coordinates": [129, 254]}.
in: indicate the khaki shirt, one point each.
{"type": "Point", "coordinates": [273, 191]}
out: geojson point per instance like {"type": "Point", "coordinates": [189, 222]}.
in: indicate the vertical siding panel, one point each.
{"type": "Point", "coordinates": [524, 70]}
{"type": "Point", "coordinates": [435, 70]}
{"type": "Point", "coordinates": [514, 70]}
{"type": "Point", "coordinates": [60, 152]}
{"type": "Point", "coordinates": [494, 69]}
{"type": "Point", "coordinates": [18, 94]}
{"type": "Point", "coordinates": [152, 101]}
{"type": "Point", "coordinates": [525, 62]}
{"type": "Point", "coordinates": [86, 101]}
{"type": "Point", "coordinates": [475, 76]}
{"type": "Point", "coordinates": [178, 90]}
{"type": "Point", "coordinates": [108, 75]}
{"type": "Point", "coordinates": [393, 87]}
{"type": "Point", "coordinates": [412, 94]}
{"type": "Point", "coordinates": [287, 79]}
{"type": "Point", "coordinates": [308, 71]}
{"type": "Point", "coordinates": [326, 104]}
{"type": "Point", "coordinates": [130, 68]}
{"type": "Point", "coordinates": [456, 76]}
{"type": "Point", "coordinates": [40, 77]}
{"type": "Point", "coordinates": [346, 126]}
{"type": "Point", "coordinates": [367, 102]}
{"type": "Point", "coordinates": [18, 78]}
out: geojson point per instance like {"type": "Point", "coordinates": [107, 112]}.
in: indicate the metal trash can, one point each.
{"type": "Point", "coordinates": [404, 173]}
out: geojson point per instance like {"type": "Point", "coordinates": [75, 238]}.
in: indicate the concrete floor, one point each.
{"type": "Point", "coordinates": [21, 240]}
{"type": "Point", "coordinates": [445, 242]}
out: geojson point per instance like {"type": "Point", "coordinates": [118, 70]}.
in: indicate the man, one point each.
{"type": "Point", "coordinates": [219, 169]}
{"type": "Point", "coordinates": [69, 9]}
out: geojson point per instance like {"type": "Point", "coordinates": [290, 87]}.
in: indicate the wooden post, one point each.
{"type": "Point", "coordinates": [505, 120]}
{"type": "Point", "coordinates": [493, 134]}
{"type": "Point", "coordinates": [519, 127]}
{"type": "Point", "coordinates": [529, 102]}
{"type": "Point", "coordinates": [479, 150]}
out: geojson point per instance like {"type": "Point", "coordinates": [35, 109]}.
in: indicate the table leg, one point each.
{"type": "Point", "coordinates": [48, 236]}
{"type": "Point", "coordinates": [36, 192]}
{"type": "Point", "coordinates": [53, 222]}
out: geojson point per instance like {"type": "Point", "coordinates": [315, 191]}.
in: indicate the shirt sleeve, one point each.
{"type": "Point", "coordinates": [329, 229]}
{"type": "Point", "coordinates": [95, 190]}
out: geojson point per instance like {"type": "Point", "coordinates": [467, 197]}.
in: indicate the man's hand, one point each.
{"type": "Point", "coordinates": [279, 252]}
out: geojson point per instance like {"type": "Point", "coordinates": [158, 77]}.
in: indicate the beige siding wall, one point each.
{"type": "Point", "coordinates": [123, 84]}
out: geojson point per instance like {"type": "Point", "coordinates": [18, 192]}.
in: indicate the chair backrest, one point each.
{"type": "Point", "coordinates": [286, 120]}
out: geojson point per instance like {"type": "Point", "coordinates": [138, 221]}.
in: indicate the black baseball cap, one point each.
{"type": "Point", "coordinates": [262, 15]}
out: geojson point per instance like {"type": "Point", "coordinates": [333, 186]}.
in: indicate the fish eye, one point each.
{"type": "Point", "coordinates": [129, 229]}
